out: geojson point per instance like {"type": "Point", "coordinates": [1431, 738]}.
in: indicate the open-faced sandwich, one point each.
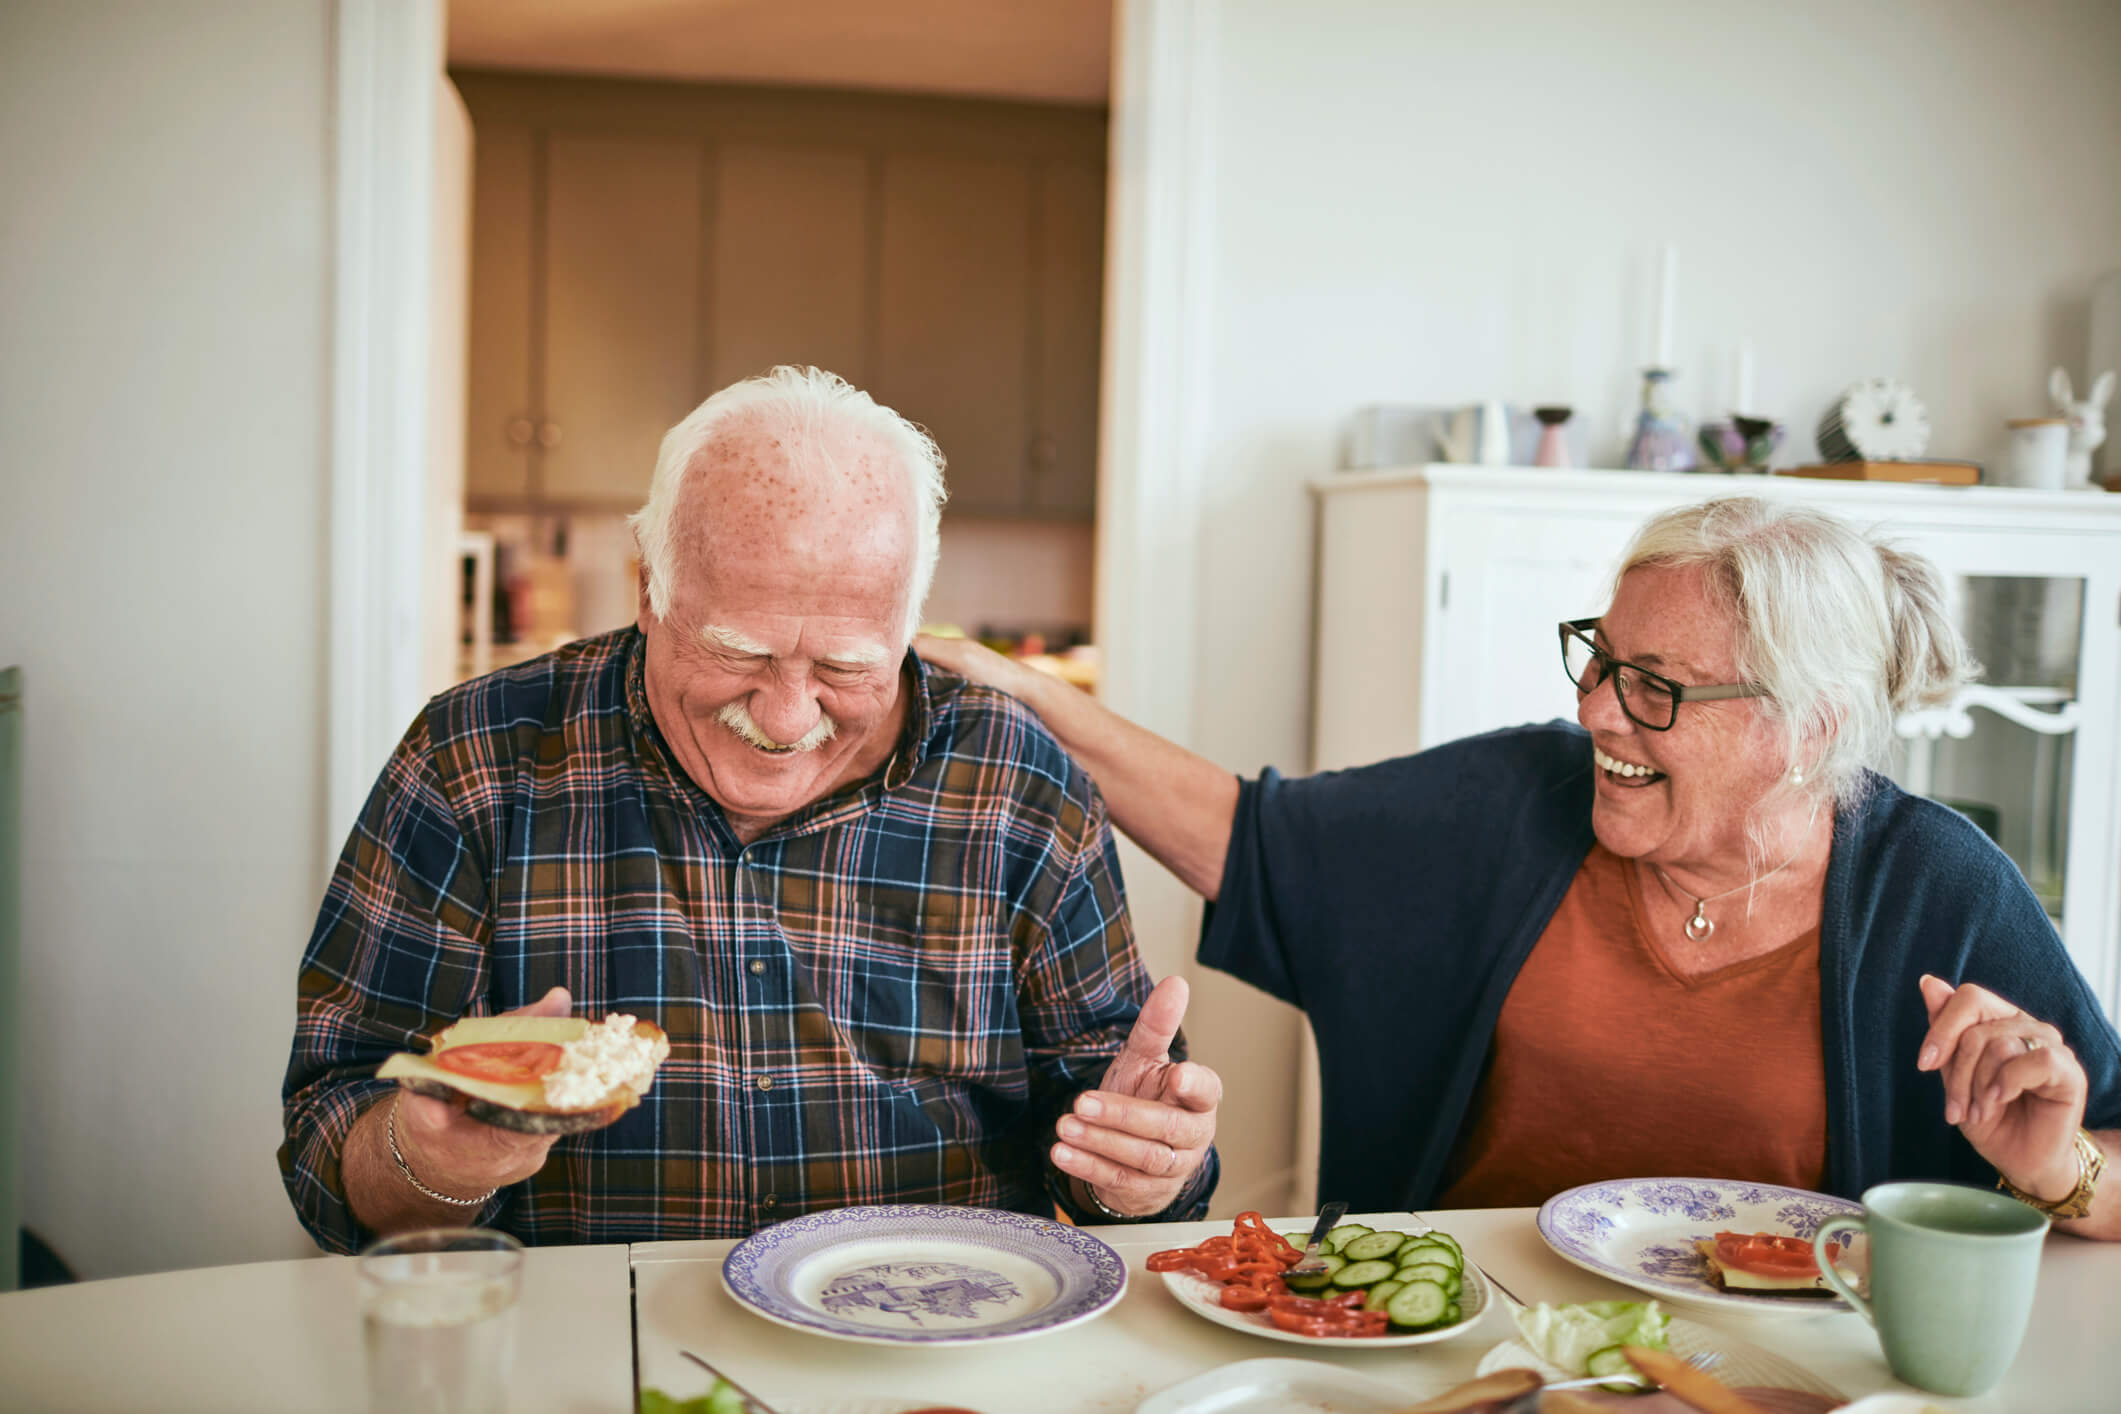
{"type": "Point", "coordinates": [1763, 1264]}
{"type": "Point", "coordinates": [538, 1074]}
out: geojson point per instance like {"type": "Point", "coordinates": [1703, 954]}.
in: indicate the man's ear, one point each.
{"type": "Point", "coordinates": [644, 615]}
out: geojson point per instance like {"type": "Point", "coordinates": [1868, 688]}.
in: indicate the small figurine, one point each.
{"type": "Point", "coordinates": [1741, 444]}
{"type": "Point", "coordinates": [2087, 422]}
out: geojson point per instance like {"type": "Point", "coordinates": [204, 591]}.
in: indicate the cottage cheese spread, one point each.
{"type": "Point", "coordinates": [606, 1056]}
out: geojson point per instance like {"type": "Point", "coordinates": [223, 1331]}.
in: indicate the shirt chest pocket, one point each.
{"type": "Point", "coordinates": [925, 993]}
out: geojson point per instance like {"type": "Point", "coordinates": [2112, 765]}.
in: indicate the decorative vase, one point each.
{"type": "Point", "coordinates": [1553, 445]}
{"type": "Point", "coordinates": [1660, 442]}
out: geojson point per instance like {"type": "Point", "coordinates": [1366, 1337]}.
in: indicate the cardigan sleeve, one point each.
{"type": "Point", "coordinates": [1927, 892]}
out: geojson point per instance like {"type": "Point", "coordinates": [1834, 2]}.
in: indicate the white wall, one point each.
{"type": "Point", "coordinates": [1431, 202]}
{"type": "Point", "coordinates": [165, 277]}
{"type": "Point", "coordinates": [1428, 202]}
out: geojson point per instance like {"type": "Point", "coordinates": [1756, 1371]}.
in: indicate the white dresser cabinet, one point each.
{"type": "Point", "coordinates": [1439, 588]}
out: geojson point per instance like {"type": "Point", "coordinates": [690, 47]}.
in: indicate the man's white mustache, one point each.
{"type": "Point", "coordinates": [737, 718]}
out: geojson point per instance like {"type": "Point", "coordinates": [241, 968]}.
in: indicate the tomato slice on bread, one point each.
{"type": "Point", "coordinates": [505, 1062]}
{"type": "Point", "coordinates": [1766, 1254]}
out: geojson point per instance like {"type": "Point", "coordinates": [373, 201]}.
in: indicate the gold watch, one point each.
{"type": "Point", "coordinates": [2078, 1201]}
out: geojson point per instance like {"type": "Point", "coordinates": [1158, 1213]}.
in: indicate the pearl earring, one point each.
{"type": "Point", "coordinates": [1796, 777]}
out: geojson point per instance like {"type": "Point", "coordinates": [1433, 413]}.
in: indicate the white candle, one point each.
{"type": "Point", "coordinates": [1745, 378]}
{"type": "Point", "coordinates": [1667, 292]}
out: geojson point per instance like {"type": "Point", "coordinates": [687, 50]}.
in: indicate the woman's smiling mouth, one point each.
{"type": "Point", "coordinates": [1625, 772]}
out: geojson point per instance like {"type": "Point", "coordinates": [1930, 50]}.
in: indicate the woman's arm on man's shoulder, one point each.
{"type": "Point", "coordinates": [1175, 804]}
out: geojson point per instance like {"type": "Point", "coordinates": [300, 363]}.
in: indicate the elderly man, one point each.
{"type": "Point", "coordinates": [876, 908]}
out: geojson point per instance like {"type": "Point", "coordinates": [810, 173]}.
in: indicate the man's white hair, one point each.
{"type": "Point", "coordinates": [821, 409]}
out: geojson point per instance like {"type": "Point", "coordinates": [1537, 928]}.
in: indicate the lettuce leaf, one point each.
{"type": "Point", "coordinates": [1567, 1336]}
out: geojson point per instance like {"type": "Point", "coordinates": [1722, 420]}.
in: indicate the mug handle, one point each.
{"type": "Point", "coordinates": [1821, 1250]}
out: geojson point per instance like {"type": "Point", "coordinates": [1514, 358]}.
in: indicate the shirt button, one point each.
{"type": "Point", "coordinates": [758, 967]}
{"type": "Point", "coordinates": [764, 1082]}
{"type": "Point", "coordinates": [770, 1201]}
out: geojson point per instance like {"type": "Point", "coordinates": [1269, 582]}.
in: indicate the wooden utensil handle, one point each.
{"type": "Point", "coordinates": [1487, 1392]}
{"type": "Point", "coordinates": [1681, 1380]}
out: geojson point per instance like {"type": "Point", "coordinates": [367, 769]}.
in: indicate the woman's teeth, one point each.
{"type": "Point", "coordinates": [1620, 768]}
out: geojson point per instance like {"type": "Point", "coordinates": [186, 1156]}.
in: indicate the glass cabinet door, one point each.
{"type": "Point", "coordinates": [2002, 752]}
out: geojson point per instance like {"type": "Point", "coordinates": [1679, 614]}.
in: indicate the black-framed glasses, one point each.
{"type": "Point", "coordinates": [1651, 700]}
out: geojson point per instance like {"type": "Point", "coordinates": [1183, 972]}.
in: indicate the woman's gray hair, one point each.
{"type": "Point", "coordinates": [819, 405]}
{"type": "Point", "coordinates": [1844, 630]}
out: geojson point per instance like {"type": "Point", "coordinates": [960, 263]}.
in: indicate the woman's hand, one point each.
{"type": "Point", "coordinates": [969, 658]}
{"type": "Point", "coordinates": [2011, 1083]}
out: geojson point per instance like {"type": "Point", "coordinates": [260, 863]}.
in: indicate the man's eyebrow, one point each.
{"type": "Point", "coordinates": [872, 656]}
{"type": "Point", "coordinates": [729, 640]}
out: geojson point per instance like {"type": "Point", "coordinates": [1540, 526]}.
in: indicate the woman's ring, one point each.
{"type": "Point", "coordinates": [2032, 1043]}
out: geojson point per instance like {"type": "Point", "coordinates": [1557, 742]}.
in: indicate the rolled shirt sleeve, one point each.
{"type": "Point", "coordinates": [397, 953]}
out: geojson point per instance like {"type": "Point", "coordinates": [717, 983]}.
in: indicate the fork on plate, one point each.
{"type": "Point", "coordinates": [1702, 1360]}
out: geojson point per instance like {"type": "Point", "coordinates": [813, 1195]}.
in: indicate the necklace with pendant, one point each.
{"type": "Point", "coordinates": [1700, 928]}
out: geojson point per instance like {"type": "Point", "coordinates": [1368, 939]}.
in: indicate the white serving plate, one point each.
{"type": "Point", "coordinates": [923, 1274]}
{"type": "Point", "coordinates": [1641, 1232]}
{"type": "Point", "coordinates": [1204, 1299]}
{"type": "Point", "coordinates": [1279, 1387]}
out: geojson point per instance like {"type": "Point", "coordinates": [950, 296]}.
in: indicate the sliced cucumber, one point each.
{"type": "Point", "coordinates": [1380, 1294]}
{"type": "Point", "coordinates": [1372, 1246]}
{"type": "Point", "coordinates": [1426, 1251]}
{"type": "Point", "coordinates": [1340, 1236]}
{"type": "Point", "coordinates": [1318, 1280]}
{"type": "Point", "coordinates": [1363, 1274]}
{"type": "Point", "coordinates": [1437, 1272]}
{"type": "Point", "coordinates": [1613, 1361]}
{"type": "Point", "coordinates": [1452, 1315]}
{"type": "Point", "coordinates": [1439, 1235]}
{"type": "Point", "coordinates": [1418, 1303]}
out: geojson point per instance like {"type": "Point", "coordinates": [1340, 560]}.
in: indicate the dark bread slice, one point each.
{"type": "Point", "coordinates": [519, 1120]}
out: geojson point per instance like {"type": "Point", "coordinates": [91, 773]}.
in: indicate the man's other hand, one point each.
{"type": "Point", "coordinates": [1138, 1138]}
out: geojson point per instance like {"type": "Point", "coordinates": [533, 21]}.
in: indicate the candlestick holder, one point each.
{"type": "Point", "coordinates": [1660, 442]}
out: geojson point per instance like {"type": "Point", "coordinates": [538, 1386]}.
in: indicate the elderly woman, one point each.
{"type": "Point", "coordinates": [1696, 934]}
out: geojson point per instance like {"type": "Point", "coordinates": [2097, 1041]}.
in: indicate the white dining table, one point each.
{"type": "Point", "coordinates": [282, 1336]}
{"type": "Point", "coordinates": [2070, 1362]}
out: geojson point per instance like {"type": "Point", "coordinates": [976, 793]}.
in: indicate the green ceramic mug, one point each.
{"type": "Point", "coordinates": [1952, 1277]}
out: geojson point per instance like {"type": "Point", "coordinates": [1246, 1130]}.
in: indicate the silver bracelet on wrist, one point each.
{"type": "Point", "coordinates": [1090, 1192]}
{"type": "Point", "coordinates": [390, 1127]}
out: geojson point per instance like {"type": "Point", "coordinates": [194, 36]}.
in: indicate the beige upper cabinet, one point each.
{"type": "Point", "coordinates": [622, 301]}
{"type": "Point", "coordinates": [791, 261]}
{"type": "Point", "coordinates": [1070, 236]}
{"type": "Point", "coordinates": [500, 405]}
{"type": "Point", "coordinates": [636, 246]}
{"type": "Point", "coordinates": [954, 317]}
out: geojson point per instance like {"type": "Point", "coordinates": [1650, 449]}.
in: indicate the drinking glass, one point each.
{"type": "Point", "coordinates": [438, 1314]}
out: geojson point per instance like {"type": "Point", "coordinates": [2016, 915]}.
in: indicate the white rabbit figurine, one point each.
{"type": "Point", "coordinates": [2087, 422]}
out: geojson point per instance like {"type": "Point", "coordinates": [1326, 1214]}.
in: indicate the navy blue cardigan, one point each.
{"type": "Point", "coordinates": [1395, 904]}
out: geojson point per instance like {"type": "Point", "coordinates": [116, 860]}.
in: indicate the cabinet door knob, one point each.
{"type": "Point", "coordinates": [548, 434]}
{"type": "Point", "coordinates": [519, 431]}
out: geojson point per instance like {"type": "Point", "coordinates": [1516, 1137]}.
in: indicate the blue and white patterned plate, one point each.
{"type": "Point", "coordinates": [921, 1274]}
{"type": "Point", "coordinates": [1641, 1232]}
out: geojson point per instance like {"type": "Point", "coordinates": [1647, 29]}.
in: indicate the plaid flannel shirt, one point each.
{"type": "Point", "coordinates": [887, 997]}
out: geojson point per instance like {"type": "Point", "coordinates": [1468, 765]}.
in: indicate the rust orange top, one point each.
{"type": "Point", "coordinates": [1607, 1063]}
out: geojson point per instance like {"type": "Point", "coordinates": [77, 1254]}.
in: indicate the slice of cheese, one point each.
{"type": "Point", "coordinates": [1733, 1279]}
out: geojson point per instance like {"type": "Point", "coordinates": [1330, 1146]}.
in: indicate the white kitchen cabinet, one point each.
{"type": "Point", "coordinates": [1439, 589]}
